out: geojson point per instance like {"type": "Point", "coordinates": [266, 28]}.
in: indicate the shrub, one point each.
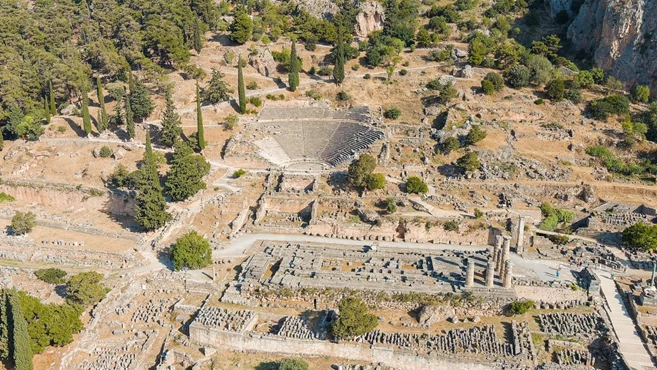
{"type": "Point", "coordinates": [367, 76]}
{"type": "Point", "coordinates": [450, 144]}
{"type": "Point", "coordinates": [51, 275]}
{"type": "Point", "coordinates": [376, 181]}
{"type": "Point", "coordinates": [416, 185]}
{"type": "Point", "coordinates": [239, 173]}
{"type": "Point", "coordinates": [255, 101]}
{"type": "Point", "coordinates": [392, 113]}
{"type": "Point", "coordinates": [475, 135]}
{"type": "Point", "coordinates": [252, 85]}
{"type": "Point", "coordinates": [120, 176]}
{"type": "Point", "coordinates": [61, 129]}
{"type": "Point", "coordinates": [469, 162]}
{"type": "Point", "coordinates": [555, 89]}
{"type": "Point", "coordinates": [391, 205]}
{"type": "Point", "coordinates": [85, 288]}
{"type": "Point", "coordinates": [496, 79]}
{"type": "Point", "coordinates": [231, 121]}
{"type": "Point", "coordinates": [105, 152]}
{"type": "Point", "coordinates": [23, 222]}
{"type": "Point", "coordinates": [640, 94]}
{"type": "Point", "coordinates": [403, 72]}
{"type": "Point", "coordinates": [478, 213]}
{"type": "Point", "coordinates": [355, 67]}
{"type": "Point", "coordinates": [641, 236]}
{"type": "Point", "coordinates": [520, 307]}
{"type": "Point", "coordinates": [325, 71]}
{"type": "Point", "coordinates": [518, 76]}
{"type": "Point", "coordinates": [293, 364]}
{"type": "Point", "coordinates": [342, 96]}
{"type": "Point", "coordinates": [574, 95]}
{"type": "Point", "coordinates": [539, 101]}
{"type": "Point", "coordinates": [487, 87]}
{"type": "Point", "coordinates": [451, 226]}
{"type": "Point", "coordinates": [613, 104]}
{"type": "Point", "coordinates": [4, 197]}
{"type": "Point", "coordinates": [312, 70]}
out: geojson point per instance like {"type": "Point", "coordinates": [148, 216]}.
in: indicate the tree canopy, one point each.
{"type": "Point", "coordinates": [354, 319]}
{"type": "Point", "coordinates": [191, 251]}
{"type": "Point", "coordinates": [360, 170]}
{"type": "Point", "coordinates": [641, 236]}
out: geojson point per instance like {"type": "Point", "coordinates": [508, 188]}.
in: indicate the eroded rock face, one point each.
{"type": "Point", "coordinates": [370, 18]}
{"type": "Point", "coordinates": [263, 62]}
{"type": "Point", "coordinates": [619, 35]}
{"type": "Point", "coordinates": [319, 8]}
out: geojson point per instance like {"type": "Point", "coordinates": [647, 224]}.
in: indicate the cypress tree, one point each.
{"type": "Point", "coordinates": [151, 207]}
{"type": "Point", "coordinates": [20, 339]}
{"type": "Point", "coordinates": [129, 119]}
{"type": "Point", "coordinates": [198, 36]}
{"type": "Point", "coordinates": [46, 109]}
{"type": "Point", "coordinates": [131, 82]}
{"type": "Point", "coordinates": [86, 119]}
{"type": "Point", "coordinates": [53, 107]}
{"type": "Point", "coordinates": [241, 90]}
{"type": "Point", "coordinates": [4, 326]}
{"type": "Point", "coordinates": [338, 69]}
{"type": "Point", "coordinates": [171, 125]}
{"type": "Point", "coordinates": [103, 119]}
{"type": "Point", "coordinates": [294, 68]}
{"type": "Point", "coordinates": [199, 120]}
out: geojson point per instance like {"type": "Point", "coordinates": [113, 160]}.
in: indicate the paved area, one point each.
{"type": "Point", "coordinates": [631, 346]}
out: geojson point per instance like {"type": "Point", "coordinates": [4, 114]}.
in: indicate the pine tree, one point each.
{"type": "Point", "coordinates": [46, 109]}
{"type": "Point", "coordinates": [199, 120]}
{"type": "Point", "coordinates": [198, 35]}
{"type": "Point", "coordinates": [171, 125]}
{"type": "Point", "coordinates": [51, 93]}
{"type": "Point", "coordinates": [129, 119]}
{"type": "Point", "coordinates": [86, 119]}
{"type": "Point", "coordinates": [131, 82]}
{"type": "Point", "coordinates": [294, 68]}
{"type": "Point", "coordinates": [338, 69]}
{"type": "Point", "coordinates": [20, 339]}
{"type": "Point", "coordinates": [151, 208]}
{"type": "Point", "coordinates": [241, 90]}
{"type": "Point", "coordinates": [140, 97]}
{"type": "Point", "coordinates": [103, 120]}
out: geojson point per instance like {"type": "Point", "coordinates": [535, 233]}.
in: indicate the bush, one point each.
{"type": "Point", "coordinates": [231, 121]}
{"type": "Point", "coordinates": [469, 162]}
{"type": "Point", "coordinates": [539, 101]}
{"type": "Point", "coordinates": [120, 176]}
{"type": "Point", "coordinates": [343, 96]}
{"type": "Point", "coordinates": [252, 85]}
{"type": "Point", "coordinates": [376, 181]}
{"type": "Point", "coordinates": [475, 135]}
{"type": "Point", "coordinates": [555, 89]}
{"type": "Point", "coordinates": [239, 173]}
{"type": "Point", "coordinates": [614, 104]}
{"type": "Point", "coordinates": [415, 185]}
{"type": "Point", "coordinates": [520, 307]}
{"type": "Point", "coordinates": [255, 101]}
{"type": "Point", "coordinates": [640, 94]}
{"type": "Point", "coordinates": [355, 67]}
{"type": "Point", "coordinates": [574, 95]}
{"type": "Point", "coordinates": [293, 364]}
{"type": "Point", "coordinates": [391, 205]}
{"type": "Point", "coordinates": [4, 197]}
{"type": "Point", "coordinates": [478, 213]}
{"type": "Point", "coordinates": [85, 288]}
{"type": "Point", "coordinates": [450, 144]}
{"type": "Point", "coordinates": [451, 226]}
{"type": "Point", "coordinates": [496, 80]}
{"type": "Point", "coordinates": [105, 152]}
{"type": "Point", "coordinates": [325, 71]}
{"type": "Point", "coordinates": [392, 113]}
{"type": "Point", "coordinates": [191, 251]}
{"type": "Point", "coordinates": [367, 76]}
{"type": "Point", "coordinates": [641, 236]}
{"type": "Point", "coordinates": [487, 87]}
{"type": "Point", "coordinates": [518, 76]}
{"type": "Point", "coordinates": [312, 70]}
{"type": "Point", "coordinates": [51, 275]}
{"type": "Point", "coordinates": [403, 72]}
{"type": "Point", "coordinates": [23, 222]}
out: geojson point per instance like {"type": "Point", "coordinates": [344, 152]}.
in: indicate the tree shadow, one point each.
{"type": "Point", "coordinates": [235, 105]}
{"type": "Point", "coordinates": [61, 290]}
{"type": "Point", "coordinates": [116, 208]}
{"type": "Point", "coordinates": [449, 170]}
{"type": "Point", "coordinates": [269, 365]}
{"type": "Point", "coordinates": [338, 181]}
{"type": "Point", "coordinates": [224, 40]}
{"type": "Point", "coordinates": [75, 127]}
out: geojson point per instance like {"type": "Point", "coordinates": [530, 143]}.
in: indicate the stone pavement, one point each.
{"type": "Point", "coordinates": [631, 346]}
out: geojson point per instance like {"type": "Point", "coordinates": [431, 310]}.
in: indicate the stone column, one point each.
{"type": "Point", "coordinates": [469, 275]}
{"type": "Point", "coordinates": [490, 274]}
{"type": "Point", "coordinates": [520, 247]}
{"type": "Point", "coordinates": [497, 248]}
{"type": "Point", "coordinates": [504, 256]}
{"type": "Point", "coordinates": [508, 274]}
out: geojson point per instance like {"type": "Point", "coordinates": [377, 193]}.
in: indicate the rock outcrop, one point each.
{"type": "Point", "coordinates": [263, 62]}
{"type": "Point", "coordinates": [619, 35]}
{"type": "Point", "coordinates": [369, 19]}
{"type": "Point", "coordinates": [319, 8]}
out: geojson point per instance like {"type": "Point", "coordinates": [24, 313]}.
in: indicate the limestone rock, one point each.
{"type": "Point", "coordinates": [69, 110]}
{"type": "Point", "coordinates": [96, 152]}
{"type": "Point", "coordinates": [263, 62]}
{"type": "Point", "coordinates": [368, 215]}
{"type": "Point", "coordinates": [370, 18]}
{"type": "Point", "coordinates": [430, 314]}
{"type": "Point", "coordinates": [319, 8]}
{"type": "Point", "coordinates": [466, 72]}
{"type": "Point", "coordinates": [618, 34]}
{"type": "Point", "coordinates": [119, 153]}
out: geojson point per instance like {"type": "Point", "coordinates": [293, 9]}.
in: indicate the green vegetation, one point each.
{"type": "Point", "coordinates": [140, 98]}
{"type": "Point", "coordinates": [469, 162]}
{"type": "Point", "coordinates": [86, 119]}
{"type": "Point", "coordinates": [392, 113]}
{"type": "Point", "coordinates": [451, 226]}
{"type": "Point", "coordinates": [185, 177]}
{"type": "Point", "coordinates": [4, 197]}
{"type": "Point", "coordinates": [191, 251]}
{"type": "Point", "coordinates": [354, 319]}
{"type": "Point", "coordinates": [641, 236]}
{"type": "Point", "coordinates": [487, 87]}
{"type": "Point", "coordinates": [293, 364]}
{"type": "Point", "coordinates": [105, 152]}
{"type": "Point", "coordinates": [478, 213]}
{"type": "Point", "coordinates": [555, 89]}
{"type": "Point", "coordinates": [151, 208]}
{"type": "Point", "coordinates": [15, 338]}
{"type": "Point", "coordinates": [520, 307]}
{"type": "Point", "coordinates": [51, 275]}
{"type": "Point", "coordinates": [129, 119]}
{"type": "Point", "coordinates": [360, 170]}
{"type": "Point", "coordinates": [640, 94]}
{"type": "Point", "coordinates": [216, 90]}
{"type": "Point", "coordinates": [617, 165]}
{"type": "Point", "coordinates": [552, 217]}
{"type": "Point", "coordinates": [241, 91]}
{"type": "Point", "coordinates": [450, 144]}
{"type": "Point", "coordinates": [475, 135]}
{"type": "Point", "coordinates": [171, 124]}
{"type": "Point", "coordinates": [22, 222]}
{"type": "Point", "coordinates": [242, 26]}
{"type": "Point", "coordinates": [376, 181]}
{"type": "Point", "coordinates": [415, 185]}
{"type": "Point", "coordinates": [293, 78]}
{"type": "Point", "coordinates": [601, 109]}
{"type": "Point", "coordinates": [85, 288]}
{"type": "Point", "coordinates": [391, 205]}
{"type": "Point", "coordinates": [239, 173]}
{"type": "Point", "coordinates": [200, 136]}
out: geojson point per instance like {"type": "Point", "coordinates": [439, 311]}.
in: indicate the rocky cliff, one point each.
{"type": "Point", "coordinates": [620, 36]}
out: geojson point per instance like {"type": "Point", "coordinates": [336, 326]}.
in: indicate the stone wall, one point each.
{"type": "Point", "coordinates": [252, 342]}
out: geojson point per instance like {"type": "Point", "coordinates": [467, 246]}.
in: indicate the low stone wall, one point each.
{"type": "Point", "coordinates": [253, 342]}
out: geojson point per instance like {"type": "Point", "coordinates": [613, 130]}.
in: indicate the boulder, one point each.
{"type": "Point", "coordinates": [368, 215]}
{"type": "Point", "coordinates": [370, 18]}
{"type": "Point", "coordinates": [69, 110]}
{"type": "Point", "coordinates": [466, 72]}
{"type": "Point", "coordinates": [263, 62]}
{"type": "Point", "coordinates": [119, 153]}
